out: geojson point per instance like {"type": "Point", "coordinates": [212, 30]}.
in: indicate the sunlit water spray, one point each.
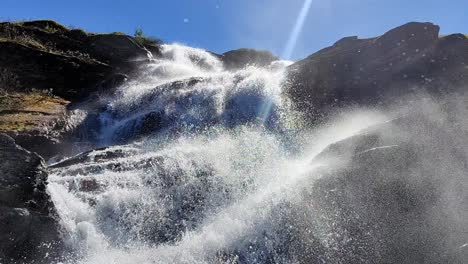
{"type": "Point", "coordinates": [187, 89]}
{"type": "Point", "coordinates": [206, 182]}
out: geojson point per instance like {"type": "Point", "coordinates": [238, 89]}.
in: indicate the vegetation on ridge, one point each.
{"type": "Point", "coordinates": [145, 40]}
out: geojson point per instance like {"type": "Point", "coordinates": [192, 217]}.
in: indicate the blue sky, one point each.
{"type": "Point", "coordinates": [222, 25]}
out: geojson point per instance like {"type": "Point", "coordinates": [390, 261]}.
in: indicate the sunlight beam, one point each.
{"type": "Point", "coordinates": [291, 45]}
{"type": "Point", "coordinates": [288, 51]}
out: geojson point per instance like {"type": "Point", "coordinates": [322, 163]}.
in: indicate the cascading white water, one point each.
{"type": "Point", "coordinates": [209, 184]}
{"type": "Point", "coordinates": [188, 88]}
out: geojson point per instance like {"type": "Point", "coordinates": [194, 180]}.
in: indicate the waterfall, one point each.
{"type": "Point", "coordinates": [203, 165]}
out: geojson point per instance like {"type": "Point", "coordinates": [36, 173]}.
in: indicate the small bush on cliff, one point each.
{"type": "Point", "coordinates": [50, 29]}
{"type": "Point", "coordinates": [144, 40]}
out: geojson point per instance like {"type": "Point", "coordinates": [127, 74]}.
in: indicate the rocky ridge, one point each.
{"type": "Point", "coordinates": [408, 60]}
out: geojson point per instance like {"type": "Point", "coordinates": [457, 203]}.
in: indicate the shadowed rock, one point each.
{"type": "Point", "coordinates": [406, 60]}
{"type": "Point", "coordinates": [28, 230]}
{"type": "Point", "coordinates": [393, 201]}
{"type": "Point", "coordinates": [46, 55]}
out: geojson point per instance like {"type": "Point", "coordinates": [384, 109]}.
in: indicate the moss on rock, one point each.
{"type": "Point", "coordinates": [34, 111]}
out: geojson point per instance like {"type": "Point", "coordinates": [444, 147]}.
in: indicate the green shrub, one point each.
{"type": "Point", "coordinates": [50, 29]}
{"type": "Point", "coordinates": [139, 33]}
{"type": "Point", "coordinates": [144, 40]}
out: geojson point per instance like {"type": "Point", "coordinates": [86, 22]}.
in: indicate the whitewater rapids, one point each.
{"type": "Point", "coordinates": [218, 180]}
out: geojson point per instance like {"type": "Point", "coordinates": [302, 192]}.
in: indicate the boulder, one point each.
{"type": "Point", "coordinates": [409, 59]}
{"type": "Point", "coordinates": [28, 229]}
{"type": "Point", "coordinates": [240, 58]}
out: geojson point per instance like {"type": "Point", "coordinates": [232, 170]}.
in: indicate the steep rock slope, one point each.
{"type": "Point", "coordinates": [399, 195]}
{"type": "Point", "coordinates": [406, 60]}
{"type": "Point", "coordinates": [72, 63]}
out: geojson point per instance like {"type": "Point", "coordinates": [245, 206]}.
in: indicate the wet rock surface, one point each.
{"type": "Point", "coordinates": [28, 230]}
{"type": "Point", "coordinates": [394, 201]}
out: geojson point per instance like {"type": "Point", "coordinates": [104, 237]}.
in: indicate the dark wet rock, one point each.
{"type": "Point", "coordinates": [170, 87]}
{"type": "Point", "coordinates": [154, 48]}
{"type": "Point", "coordinates": [104, 154]}
{"type": "Point", "coordinates": [113, 81]}
{"type": "Point", "coordinates": [407, 60]}
{"type": "Point", "coordinates": [113, 159]}
{"type": "Point", "coordinates": [28, 229]}
{"type": "Point", "coordinates": [150, 123]}
{"type": "Point", "coordinates": [240, 58]}
{"type": "Point", "coordinates": [89, 185]}
{"type": "Point", "coordinates": [147, 115]}
{"type": "Point", "coordinates": [393, 201]}
{"type": "Point", "coordinates": [116, 49]}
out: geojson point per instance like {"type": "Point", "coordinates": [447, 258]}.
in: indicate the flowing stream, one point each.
{"type": "Point", "coordinates": [203, 165]}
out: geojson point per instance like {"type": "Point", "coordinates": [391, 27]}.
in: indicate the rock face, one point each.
{"type": "Point", "coordinates": [28, 230]}
{"type": "Point", "coordinates": [46, 67]}
{"type": "Point", "coordinates": [400, 198]}
{"type": "Point", "coordinates": [237, 59]}
{"type": "Point", "coordinates": [46, 55]}
{"type": "Point", "coordinates": [68, 77]}
{"type": "Point", "coordinates": [117, 49]}
{"type": "Point", "coordinates": [408, 59]}
{"type": "Point", "coordinates": [36, 120]}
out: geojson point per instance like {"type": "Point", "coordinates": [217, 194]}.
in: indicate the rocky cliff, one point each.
{"type": "Point", "coordinates": [407, 60]}
{"type": "Point", "coordinates": [45, 66]}
{"type": "Point", "coordinates": [28, 229]}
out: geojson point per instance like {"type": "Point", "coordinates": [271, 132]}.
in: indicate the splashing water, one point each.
{"type": "Point", "coordinates": [188, 88]}
{"type": "Point", "coordinates": [211, 182]}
